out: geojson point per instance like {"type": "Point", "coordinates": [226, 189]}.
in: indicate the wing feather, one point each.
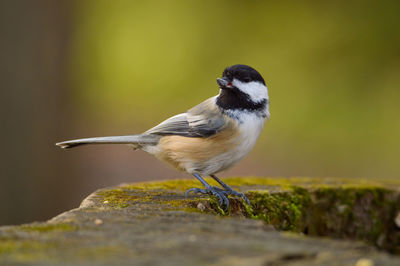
{"type": "Point", "coordinates": [204, 120]}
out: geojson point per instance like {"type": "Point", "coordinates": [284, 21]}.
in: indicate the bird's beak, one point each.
{"type": "Point", "coordinates": [224, 83]}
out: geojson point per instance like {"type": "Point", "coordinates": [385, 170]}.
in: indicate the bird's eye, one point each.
{"type": "Point", "coordinates": [246, 79]}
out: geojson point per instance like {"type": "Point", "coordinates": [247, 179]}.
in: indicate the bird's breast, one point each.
{"type": "Point", "coordinates": [214, 153]}
{"type": "Point", "coordinates": [185, 149]}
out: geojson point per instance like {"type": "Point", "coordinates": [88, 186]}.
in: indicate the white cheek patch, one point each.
{"type": "Point", "coordinates": [256, 90]}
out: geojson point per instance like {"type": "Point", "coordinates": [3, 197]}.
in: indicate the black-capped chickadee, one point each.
{"type": "Point", "coordinates": [211, 136]}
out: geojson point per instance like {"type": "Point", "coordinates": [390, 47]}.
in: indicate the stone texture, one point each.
{"type": "Point", "coordinates": [153, 224]}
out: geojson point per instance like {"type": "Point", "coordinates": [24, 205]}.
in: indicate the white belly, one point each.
{"type": "Point", "coordinates": [250, 126]}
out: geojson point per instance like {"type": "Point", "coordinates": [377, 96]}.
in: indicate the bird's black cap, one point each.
{"type": "Point", "coordinates": [243, 73]}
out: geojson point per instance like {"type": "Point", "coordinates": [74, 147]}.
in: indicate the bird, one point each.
{"type": "Point", "coordinates": [210, 137]}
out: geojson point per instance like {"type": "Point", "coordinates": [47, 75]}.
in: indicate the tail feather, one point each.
{"type": "Point", "coordinates": [131, 139]}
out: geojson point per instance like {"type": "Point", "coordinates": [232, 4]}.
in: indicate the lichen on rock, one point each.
{"type": "Point", "coordinates": [131, 223]}
{"type": "Point", "coordinates": [340, 208]}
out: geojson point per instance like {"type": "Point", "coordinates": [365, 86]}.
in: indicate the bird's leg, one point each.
{"type": "Point", "coordinates": [219, 193]}
{"type": "Point", "coordinates": [229, 191]}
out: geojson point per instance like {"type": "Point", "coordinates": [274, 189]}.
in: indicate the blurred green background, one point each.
{"type": "Point", "coordinates": [72, 69]}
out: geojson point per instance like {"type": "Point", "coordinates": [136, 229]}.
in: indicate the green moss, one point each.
{"type": "Point", "coordinates": [214, 205]}
{"type": "Point", "coordinates": [24, 250]}
{"type": "Point", "coordinates": [47, 227]}
{"type": "Point", "coordinates": [354, 212]}
{"type": "Point", "coordinates": [125, 196]}
{"type": "Point", "coordinates": [339, 207]}
{"type": "Point", "coordinates": [278, 182]}
{"type": "Point", "coordinates": [179, 203]}
{"type": "Point", "coordinates": [179, 184]}
{"type": "Point", "coordinates": [284, 210]}
{"type": "Point", "coordinates": [183, 185]}
{"type": "Point", "coordinates": [120, 198]}
{"type": "Point", "coordinates": [360, 212]}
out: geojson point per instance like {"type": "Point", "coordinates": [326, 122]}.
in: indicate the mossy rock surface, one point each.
{"type": "Point", "coordinates": [292, 221]}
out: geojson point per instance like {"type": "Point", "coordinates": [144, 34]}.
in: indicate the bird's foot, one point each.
{"type": "Point", "coordinates": [196, 190]}
{"type": "Point", "coordinates": [229, 191]}
{"type": "Point", "coordinates": [216, 191]}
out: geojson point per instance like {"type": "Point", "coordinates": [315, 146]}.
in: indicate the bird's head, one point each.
{"type": "Point", "coordinates": [242, 87]}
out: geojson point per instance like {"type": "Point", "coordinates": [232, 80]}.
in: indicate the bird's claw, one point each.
{"type": "Point", "coordinates": [222, 198]}
{"type": "Point", "coordinates": [217, 192]}
{"type": "Point", "coordinates": [229, 191]}
{"type": "Point", "coordinates": [196, 191]}
{"type": "Point", "coordinates": [221, 194]}
{"type": "Point", "coordinates": [239, 194]}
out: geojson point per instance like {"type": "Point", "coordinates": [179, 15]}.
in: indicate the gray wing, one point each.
{"type": "Point", "coordinates": [204, 120]}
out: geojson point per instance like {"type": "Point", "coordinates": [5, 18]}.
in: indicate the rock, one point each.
{"type": "Point", "coordinates": [153, 224]}
{"type": "Point", "coordinates": [201, 206]}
